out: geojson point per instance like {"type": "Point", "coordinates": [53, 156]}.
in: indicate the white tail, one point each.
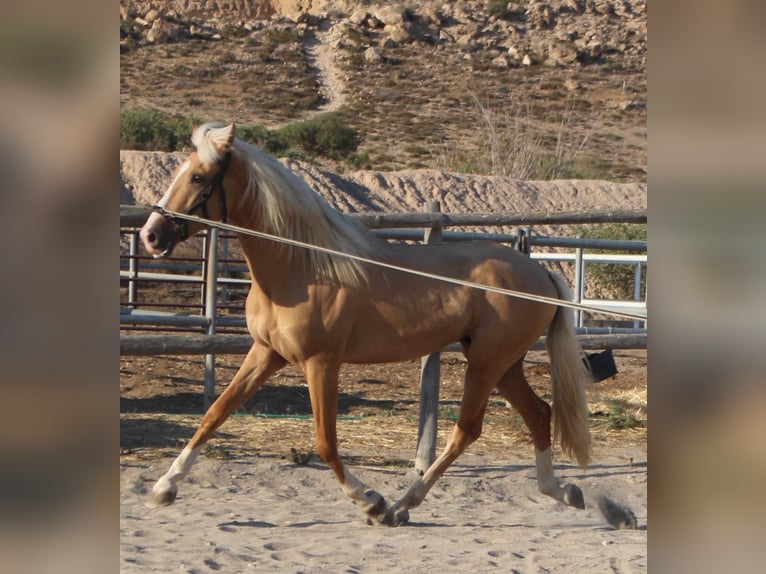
{"type": "Point", "coordinates": [569, 379]}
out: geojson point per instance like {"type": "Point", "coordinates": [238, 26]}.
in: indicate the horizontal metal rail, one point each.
{"type": "Point", "coordinates": [163, 318]}
{"type": "Point", "coordinates": [154, 276]}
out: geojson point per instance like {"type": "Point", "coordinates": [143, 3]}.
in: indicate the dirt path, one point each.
{"type": "Point", "coordinates": [320, 57]}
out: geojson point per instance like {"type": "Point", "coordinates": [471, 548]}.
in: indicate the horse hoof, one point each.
{"type": "Point", "coordinates": [617, 516]}
{"type": "Point", "coordinates": [374, 507]}
{"type": "Point", "coordinates": [397, 518]}
{"type": "Point", "coordinates": [573, 496]}
{"type": "Point", "coordinates": [402, 517]}
{"type": "Point", "coordinates": [162, 497]}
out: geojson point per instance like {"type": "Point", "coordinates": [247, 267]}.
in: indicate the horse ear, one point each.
{"type": "Point", "coordinates": [223, 138]}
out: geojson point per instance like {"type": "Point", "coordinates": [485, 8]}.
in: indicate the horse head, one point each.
{"type": "Point", "coordinates": [198, 188]}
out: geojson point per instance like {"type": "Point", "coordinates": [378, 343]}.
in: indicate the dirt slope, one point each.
{"type": "Point", "coordinates": [144, 176]}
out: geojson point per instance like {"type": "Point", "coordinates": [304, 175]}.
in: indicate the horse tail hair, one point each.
{"type": "Point", "coordinates": [569, 379]}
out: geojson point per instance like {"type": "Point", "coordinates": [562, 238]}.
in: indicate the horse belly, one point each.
{"type": "Point", "coordinates": [398, 337]}
{"type": "Point", "coordinates": [403, 349]}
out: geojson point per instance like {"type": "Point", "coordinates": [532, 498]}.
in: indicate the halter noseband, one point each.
{"type": "Point", "coordinates": [215, 185]}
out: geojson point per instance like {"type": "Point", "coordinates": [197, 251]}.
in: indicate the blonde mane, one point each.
{"type": "Point", "coordinates": [285, 205]}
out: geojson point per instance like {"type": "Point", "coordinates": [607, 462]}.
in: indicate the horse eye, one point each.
{"type": "Point", "coordinates": [196, 178]}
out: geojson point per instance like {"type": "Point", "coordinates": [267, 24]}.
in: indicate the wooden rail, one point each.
{"type": "Point", "coordinates": [135, 216]}
{"type": "Point", "coordinates": [190, 344]}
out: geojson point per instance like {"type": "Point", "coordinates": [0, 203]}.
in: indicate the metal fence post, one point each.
{"type": "Point", "coordinates": [579, 283]}
{"type": "Point", "coordinates": [225, 268]}
{"type": "Point", "coordinates": [133, 268]}
{"type": "Point", "coordinates": [430, 368]}
{"type": "Point", "coordinates": [637, 290]}
{"type": "Point", "coordinates": [211, 290]}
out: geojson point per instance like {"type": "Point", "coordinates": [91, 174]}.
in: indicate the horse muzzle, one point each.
{"type": "Point", "coordinates": [160, 235]}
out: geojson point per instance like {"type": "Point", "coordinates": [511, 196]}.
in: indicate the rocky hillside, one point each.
{"type": "Point", "coordinates": [456, 86]}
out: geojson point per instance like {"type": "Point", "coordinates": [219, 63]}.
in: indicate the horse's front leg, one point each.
{"type": "Point", "coordinates": [259, 364]}
{"type": "Point", "coordinates": [322, 376]}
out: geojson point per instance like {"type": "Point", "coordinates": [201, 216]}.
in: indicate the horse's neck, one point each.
{"type": "Point", "coordinates": [269, 265]}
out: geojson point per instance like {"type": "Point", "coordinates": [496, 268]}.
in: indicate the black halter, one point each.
{"type": "Point", "coordinates": [215, 185]}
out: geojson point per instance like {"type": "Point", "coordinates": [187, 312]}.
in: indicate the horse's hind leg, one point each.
{"type": "Point", "coordinates": [536, 413]}
{"type": "Point", "coordinates": [259, 364]}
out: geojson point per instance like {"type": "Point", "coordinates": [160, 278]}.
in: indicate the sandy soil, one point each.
{"type": "Point", "coordinates": [264, 514]}
{"type": "Point", "coordinates": [261, 499]}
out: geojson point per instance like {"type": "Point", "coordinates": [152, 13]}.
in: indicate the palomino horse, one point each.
{"type": "Point", "coordinates": [317, 310]}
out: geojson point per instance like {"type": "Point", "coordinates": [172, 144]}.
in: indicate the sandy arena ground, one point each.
{"type": "Point", "coordinates": [261, 500]}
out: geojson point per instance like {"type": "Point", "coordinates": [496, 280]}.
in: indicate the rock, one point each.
{"type": "Point", "coordinates": [514, 55]}
{"type": "Point", "coordinates": [576, 6]}
{"type": "Point", "coordinates": [501, 61]}
{"type": "Point", "coordinates": [515, 9]}
{"type": "Point", "coordinates": [373, 55]}
{"type": "Point", "coordinates": [526, 60]}
{"type": "Point", "coordinates": [446, 37]}
{"type": "Point", "coordinates": [359, 17]}
{"type": "Point", "coordinates": [398, 33]}
{"type": "Point", "coordinates": [561, 54]}
{"type": "Point", "coordinates": [541, 16]}
{"type": "Point", "coordinates": [310, 20]}
{"type": "Point", "coordinates": [591, 50]}
{"type": "Point", "coordinates": [158, 34]}
{"type": "Point", "coordinates": [470, 30]}
{"type": "Point", "coordinates": [603, 7]}
{"type": "Point", "coordinates": [433, 16]}
{"type": "Point", "coordinates": [623, 8]}
{"type": "Point", "coordinates": [389, 15]}
{"type": "Point", "coordinates": [151, 16]}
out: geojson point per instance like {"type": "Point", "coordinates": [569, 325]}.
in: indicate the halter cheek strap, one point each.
{"type": "Point", "coordinates": [216, 185]}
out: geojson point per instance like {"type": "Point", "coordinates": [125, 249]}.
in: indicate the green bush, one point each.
{"type": "Point", "coordinates": [154, 130]}
{"type": "Point", "coordinates": [262, 137]}
{"type": "Point", "coordinates": [324, 135]}
{"type": "Point", "coordinates": [359, 160]}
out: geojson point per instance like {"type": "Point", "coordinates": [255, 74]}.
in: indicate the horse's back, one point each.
{"type": "Point", "coordinates": [484, 262]}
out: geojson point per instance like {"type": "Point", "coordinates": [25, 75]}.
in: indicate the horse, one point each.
{"type": "Point", "coordinates": [317, 310]}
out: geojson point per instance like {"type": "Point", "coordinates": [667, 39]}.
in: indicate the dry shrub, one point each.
{"type": "Point", "coordinates": [511, 142]}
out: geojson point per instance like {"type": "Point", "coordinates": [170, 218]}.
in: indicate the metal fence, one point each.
{"type": "Point", "coordinates": [216, 324]}
{"type": "Point", "coordinates": [222, 280]}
